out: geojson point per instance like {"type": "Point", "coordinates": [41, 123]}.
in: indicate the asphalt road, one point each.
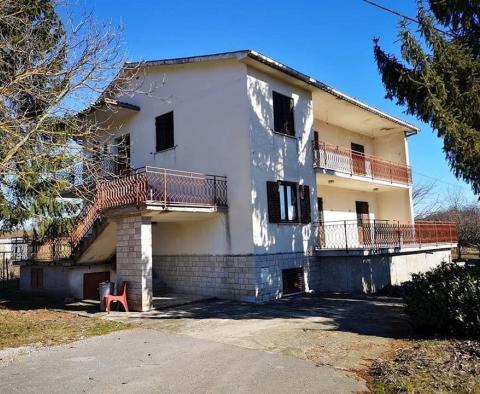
{"type": "Point", "coordinates": [149, 361]}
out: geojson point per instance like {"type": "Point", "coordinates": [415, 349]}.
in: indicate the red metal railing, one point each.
{"type": "Point", "coordinates": [155, 186]}
{"type": "Point", "coordinates": [147, 185]}
{"type": "Point", "coordinates": [377, 234]}
{"type": "Point", "coordinates": [345, 160]}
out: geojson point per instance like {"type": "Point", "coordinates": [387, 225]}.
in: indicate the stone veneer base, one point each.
{"type": "Point", "coordinates": [258, 278]}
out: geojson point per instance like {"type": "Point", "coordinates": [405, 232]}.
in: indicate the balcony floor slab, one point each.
{"type": "Point", "coordinates": [354, 181]}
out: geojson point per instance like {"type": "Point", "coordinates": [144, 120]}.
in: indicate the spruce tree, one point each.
{"type": "Point", "coordinates": [438, 77]}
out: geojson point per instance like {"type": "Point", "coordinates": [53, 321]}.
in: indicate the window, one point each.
{"type": "Point", "coordinates": [288, 201]}
{"type": "Point", "coordinates": [123, 155]}
{"type": "Point", "coordinates": [283, 121]}
{"type": "Point", "coordinates": [164, 131]}
{"type": "Point", "coordinates": [283, 205]}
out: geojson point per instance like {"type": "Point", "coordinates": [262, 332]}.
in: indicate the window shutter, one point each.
{"type": "Point", "coordinates": [164, 131]}
{"type": "Point", "coordinates": [304, 192]}
{"type": "Point", "coordinates": [273, 200]}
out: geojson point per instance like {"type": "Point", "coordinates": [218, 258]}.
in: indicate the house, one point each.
{"type": "Point", "coordinates": [243, 178]}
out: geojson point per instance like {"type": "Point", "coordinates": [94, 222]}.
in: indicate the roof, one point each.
{"type": "Point", "coordinates": [251, 54]}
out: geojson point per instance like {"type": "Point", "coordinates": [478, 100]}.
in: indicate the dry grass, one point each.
{"type": "Point", "coordinates": [429, 366]}
{"type": "Point", "coordinates": [19, 328]}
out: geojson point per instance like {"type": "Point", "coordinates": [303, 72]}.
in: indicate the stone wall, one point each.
{"type": "Point", "coordinates": [240, 277]}
{"type": "Point", "coordinates": [227, 276]}
{"type": "Point", "coordinates": [258, 278]}
{"type": "Point", "coordinates": [269, 273]}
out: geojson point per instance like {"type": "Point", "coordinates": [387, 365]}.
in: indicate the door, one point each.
{"type": "Point", "coordinates": [321, 225]}
{"type": "Point", "coordinates": [91, 282]}
{"type": "Point", "coordinates": [358, 159]}
{"type": "Point", "coordinates": [293, 281]}
{"type": "Point", "coordinates": [36, 278]}
{"type": "Point", "coordinates": [363, 223]}
{"type": "Point", "coordinates": [123, 154]}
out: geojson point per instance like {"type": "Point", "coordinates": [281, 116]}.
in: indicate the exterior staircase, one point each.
{"type": "Point", "coordinates": [141, 187]}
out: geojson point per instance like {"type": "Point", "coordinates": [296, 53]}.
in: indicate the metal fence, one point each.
{"type": "Point", "coordinates": [333, 157]}
{"type": "Point", "coordinates": [377, 234]}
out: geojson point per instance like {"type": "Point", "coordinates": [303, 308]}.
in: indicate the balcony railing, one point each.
{"type": "Point", "coordinates": [156, 186]}
{"type": "Point", "coordinates": [380, 234]}
{"type": "Point", "coordinates": [51, 250]}
{"type": "Point", "coordinates": [337, 158]}
{"type": "Point", "coordinates": [147, 185]}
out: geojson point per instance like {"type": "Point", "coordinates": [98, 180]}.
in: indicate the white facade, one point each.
{"type": "Point", "coordinates": [223, 116]}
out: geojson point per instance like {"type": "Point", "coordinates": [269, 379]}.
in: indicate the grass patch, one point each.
{"type": "Point", "coordinates": [429, 366]}
{"type": "Point", "coordinates": [19, 328]}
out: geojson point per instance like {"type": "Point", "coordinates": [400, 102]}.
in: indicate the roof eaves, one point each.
{"type": "Point", "coordinates": [320, 85]}
{"type": "Point", "coordinates": [191, 59]}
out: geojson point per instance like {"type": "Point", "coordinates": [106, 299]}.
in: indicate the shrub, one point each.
{"type": "Point", "coordinates": [445, 301]}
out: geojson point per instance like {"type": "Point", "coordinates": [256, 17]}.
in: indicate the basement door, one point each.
{"type": "Point", "coordinates": [91, 282]}
{"type": "Point", "coordinates": [293, 280]}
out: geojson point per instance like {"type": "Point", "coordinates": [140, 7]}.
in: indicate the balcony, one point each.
{"type": "Point", "coordinates": [382, 234]}
{"type": "Point", "coordinates": [147, 187]}
{"type": "Point", "coordinates": [357, 164]}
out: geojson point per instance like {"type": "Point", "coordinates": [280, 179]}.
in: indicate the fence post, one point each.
{"type": "Point", "coordinates": [324, 154]}
{"type": "Point", "coordinates": [346, 238]}
{"type": "Point", "coordinates": [214, 190]}
{"type": "Point", "coordinates": [165, 188]}
{"type": "Point", "coordinates": [436, 234]}
{"type": "Point", "coordinates": [137, 190]}
{"type": "Point", "coordinates": [399, 234]}
{"type": "Point", "coordinates": [375, 232]}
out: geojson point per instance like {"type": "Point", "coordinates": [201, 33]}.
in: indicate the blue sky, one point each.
{"type": "Point", "coordinates": [330, 40]}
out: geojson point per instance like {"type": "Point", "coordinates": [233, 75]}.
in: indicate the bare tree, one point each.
{"type": "Point", "coordinates": [465, 214]}
{"type": "Point", "coordinates": [426, 200]}
{"type": "Point", "coordinates": [51, 71]}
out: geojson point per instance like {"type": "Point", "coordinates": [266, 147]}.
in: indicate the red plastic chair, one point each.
{"type": "Point", "coordinates": [122, 298]}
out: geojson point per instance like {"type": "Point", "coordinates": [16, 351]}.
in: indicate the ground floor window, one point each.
{"type": "Point", "coordinates": [293, 280]}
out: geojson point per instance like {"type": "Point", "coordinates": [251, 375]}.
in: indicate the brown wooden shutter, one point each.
{"type": "Point", "coordinates": [304, 196]}
{"type": "Point", "coordinates": [164, 131]}
{"type": "Point", "coordinates": [273, 199]}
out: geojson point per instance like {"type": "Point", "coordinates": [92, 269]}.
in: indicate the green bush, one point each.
{"type": "Point", "coordinates": [445, 301]}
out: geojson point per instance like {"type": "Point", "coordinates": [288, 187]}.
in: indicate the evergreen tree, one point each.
{"type": "Point", "coordinates": [438, 78]}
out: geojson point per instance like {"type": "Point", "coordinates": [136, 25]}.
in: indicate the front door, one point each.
{"type": "Point", "coordinates": [363, 223]}
{"type": "Point", "coordinates": [358, 159]}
